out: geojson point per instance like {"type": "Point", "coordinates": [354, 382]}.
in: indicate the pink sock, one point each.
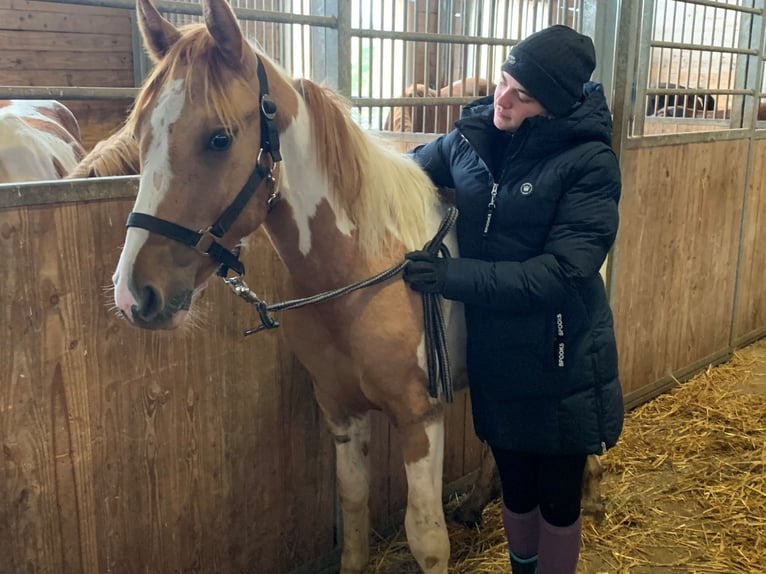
{"type": "Point", "coordinates": [559, 548]}
{"type": "Point", "coordinates": [522, 531]}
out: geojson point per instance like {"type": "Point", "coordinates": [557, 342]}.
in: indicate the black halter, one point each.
{"type": "Point", "coordinates": [204, 240]}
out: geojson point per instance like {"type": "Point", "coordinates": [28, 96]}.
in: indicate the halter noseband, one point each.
{"type": "Point", "coordinates": [204, 240]}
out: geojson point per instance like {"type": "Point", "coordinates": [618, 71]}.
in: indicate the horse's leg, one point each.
{"type": "Point", "coordinates": [423, 451]}
{"type": "Point", "coordinates": [353, 475]}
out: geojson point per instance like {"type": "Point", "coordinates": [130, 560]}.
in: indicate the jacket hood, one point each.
{"type": "Point", "coordinates": [589, 121]}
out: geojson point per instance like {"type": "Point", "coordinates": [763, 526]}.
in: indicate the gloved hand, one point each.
{"type": "Point", "coordinates": [425, 272]}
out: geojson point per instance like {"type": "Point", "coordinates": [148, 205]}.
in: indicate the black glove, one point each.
{"type": "Point", "coordinates": [425, 272]}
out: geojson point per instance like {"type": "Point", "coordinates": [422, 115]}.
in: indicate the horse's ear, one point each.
{"type": "Point", "coordinates": [159, 34]}
{"type": "Point", "coordinates": [223, 27]}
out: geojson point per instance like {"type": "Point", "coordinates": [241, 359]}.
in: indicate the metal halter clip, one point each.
{"type": "Point", "coordinates": [239, 287]}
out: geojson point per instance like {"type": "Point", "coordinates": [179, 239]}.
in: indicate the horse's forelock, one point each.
{"type": "Point", "coordinates": [195, 52]}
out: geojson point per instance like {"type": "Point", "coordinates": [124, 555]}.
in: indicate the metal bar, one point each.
{"type": "Point", "coordinates": [343, 22]}
{"type": "Point", "coordinates": [367, 102]}
{"type": "Point", "coordinates": [714, 4]}
{"type": "Point", "coordinates": [699, 91]}
{"type": "Point", "coordinates": [755, 27]}
{"type": "Point", "coordinates": [66, 93]}
{"type": "Point", "coordinates": [644, 34]}
{"type": "Point", "coordinates": [196, 10]}
{"type": "Point", "coordinates": [703, 48]}
{"type": "Point", "coordinates": [661, 140]}
{"type": "Point", "coordinates": [432, 37]}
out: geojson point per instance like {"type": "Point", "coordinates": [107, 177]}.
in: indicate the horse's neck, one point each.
{"type": "Point", "coordinates": [309, 230]}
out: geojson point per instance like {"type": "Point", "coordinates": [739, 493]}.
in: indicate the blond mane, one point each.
{"type": "Point", "coordinates": [116, 155]}
{"type": "Point", "coordinates": [381, 190]}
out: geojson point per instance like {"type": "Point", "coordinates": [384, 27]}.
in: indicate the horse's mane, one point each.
{"type": "Point", "coordinates": [116, 155]}
{"type": "Point", "coordinates": [381, 190]}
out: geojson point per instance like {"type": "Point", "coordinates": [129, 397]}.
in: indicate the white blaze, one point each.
{"type": "Point", "coordinates": [154, 184]}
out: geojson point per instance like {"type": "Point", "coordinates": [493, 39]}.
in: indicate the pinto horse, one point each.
{"type": "Point", "coordinates": [39, 140]}
{"type": "Point", "coordinates": [349, 208]}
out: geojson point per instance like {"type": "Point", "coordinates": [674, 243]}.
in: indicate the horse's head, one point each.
{"type": "Point", "coordinates": [207, 132]}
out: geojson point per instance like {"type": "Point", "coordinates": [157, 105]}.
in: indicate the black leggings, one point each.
{"type": "Point", "coordinates": [552, 482]}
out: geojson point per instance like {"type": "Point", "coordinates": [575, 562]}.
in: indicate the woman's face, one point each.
{"type": "Point", "coordinates": [513, 104]}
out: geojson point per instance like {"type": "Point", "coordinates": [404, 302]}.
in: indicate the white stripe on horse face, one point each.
{"type": "Point", "coordinates": [154, 184]}
{"type": "Point", "coordinates": [308, 185]}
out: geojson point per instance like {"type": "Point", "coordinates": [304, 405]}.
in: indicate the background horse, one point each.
{"type": "Point", "coordinates": [434, 118]}
{"type": "Point", "coordinates": [39, 140]}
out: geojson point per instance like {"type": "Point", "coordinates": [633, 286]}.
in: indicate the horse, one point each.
{"type": "Point", "coordinates": [228, 143]}
{"type": "Point", "coordinates": [348, 207]}
{"type": "Point", "coordinates": [434, 118]}
{"type": "Point", "coordinates": [39, 140]}
{"type": "Point", "coordinates": [115, 155]}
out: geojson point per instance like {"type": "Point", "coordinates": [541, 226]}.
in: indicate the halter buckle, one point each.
{"type": "Point", "coordinates": [206, 241]}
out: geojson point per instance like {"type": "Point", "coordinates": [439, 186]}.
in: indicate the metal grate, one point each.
{"type": "Point", "coordinates": [696, 67]}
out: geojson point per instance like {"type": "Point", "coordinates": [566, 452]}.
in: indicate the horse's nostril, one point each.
{"type": "Point", "coordinates": [149, 304]}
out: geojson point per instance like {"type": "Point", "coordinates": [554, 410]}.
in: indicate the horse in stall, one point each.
{"type": "Point", "coordinates": [39, 140]}
{"type": "Point", "coordinates": [434, 118]}
{"type": "Point", "coordinates": [338, 207]}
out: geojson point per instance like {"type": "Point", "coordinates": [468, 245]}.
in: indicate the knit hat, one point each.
{"type": "Point", "coordinates": [553, 64]}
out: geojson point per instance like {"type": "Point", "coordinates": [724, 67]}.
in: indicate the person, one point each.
{"type": "Point", "coordinates": [537, 186]}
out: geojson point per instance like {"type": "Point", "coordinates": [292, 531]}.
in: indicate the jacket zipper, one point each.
{"type": "Point", "coordinates": [495, 185]}
{"type": "Point", "coordinates": [490, 209]}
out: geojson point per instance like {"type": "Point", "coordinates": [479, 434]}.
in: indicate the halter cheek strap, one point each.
{"type": "Point", "coordinates": [204, 240]}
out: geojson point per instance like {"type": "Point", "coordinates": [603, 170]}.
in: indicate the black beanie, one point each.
{"type": "Point", "coordinates": [552, 65]}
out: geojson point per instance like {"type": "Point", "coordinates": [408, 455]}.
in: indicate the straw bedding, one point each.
{"type": "Point", "coordinates": [685, 489]}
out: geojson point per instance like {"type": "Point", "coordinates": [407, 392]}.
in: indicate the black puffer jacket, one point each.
{"type": "Point", "coordinates": [542, 358]}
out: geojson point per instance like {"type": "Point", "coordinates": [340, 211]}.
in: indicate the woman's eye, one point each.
{"type": "Point", "coordinates": [220, 141]}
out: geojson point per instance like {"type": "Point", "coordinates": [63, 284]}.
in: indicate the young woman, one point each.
{"type": "Point", "coordinates": [537, 187]}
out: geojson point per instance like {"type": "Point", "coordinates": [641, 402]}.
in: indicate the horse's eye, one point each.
{"type": "Point", "coordinates": [219, 141]}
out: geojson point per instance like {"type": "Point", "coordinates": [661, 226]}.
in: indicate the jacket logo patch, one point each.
{"type": "Point", "coordinates": [526, 188]}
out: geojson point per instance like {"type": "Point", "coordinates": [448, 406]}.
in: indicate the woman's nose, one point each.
{"type": "Point", "coordinates": [503, 97]}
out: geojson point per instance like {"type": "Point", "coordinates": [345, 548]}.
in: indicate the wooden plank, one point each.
{"type": "Point", "coordinates": [15, 19]}
{"type": "Point", "coordinates": [25, 60]}
{"type": "Point", "coordinates": [676, 256]}
{"type": "Point", "coordinates": [61, 7]}
{"type": "Point", "coordinates": [750, 313]}
{"type": "Point", "coordinates": [65, 41]}
{"type": "Point", "coordinates": [94, 78]}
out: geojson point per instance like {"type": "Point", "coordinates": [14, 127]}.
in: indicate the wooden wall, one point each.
{"type": "Point", "coordinates": [676, 259]}
{"type": "Point", "coordinates": [51, 44]}
{"type": "Point", "coordinates": [126, 451]}
{"type": "Point", "coordinates": [750, 318]}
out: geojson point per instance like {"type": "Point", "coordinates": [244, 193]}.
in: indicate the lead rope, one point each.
{"type": "Point", "coordinates": [437, 359]}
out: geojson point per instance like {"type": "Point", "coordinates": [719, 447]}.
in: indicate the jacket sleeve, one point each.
{"type": "Point", "coordinates": [435, 158]}
{"type": "Point", "coordinates": [583, 230]}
